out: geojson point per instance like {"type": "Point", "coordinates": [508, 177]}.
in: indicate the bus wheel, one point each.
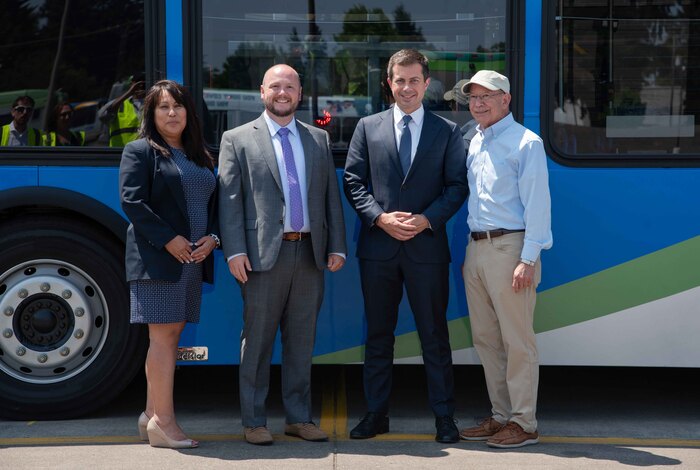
{"type": "Point", "coordinates": [66, 345]}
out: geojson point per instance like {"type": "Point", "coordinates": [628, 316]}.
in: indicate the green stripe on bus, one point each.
{"type": "Point", "coordinates": [651, 277]}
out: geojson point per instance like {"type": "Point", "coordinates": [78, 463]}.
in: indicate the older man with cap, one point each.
{"type": "Point", "coordinates": [509, 220]}
{"type": "Point", "coordinates": [459, 98]}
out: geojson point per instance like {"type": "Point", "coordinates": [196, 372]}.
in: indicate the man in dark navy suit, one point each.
{"type": "Point", "coordinates": [406, 176]}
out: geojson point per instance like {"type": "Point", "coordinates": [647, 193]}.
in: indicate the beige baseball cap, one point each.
{"type": "Point", "coordinates": [456, 93]}
{"type": "Point", "coordinates": [488, 79]}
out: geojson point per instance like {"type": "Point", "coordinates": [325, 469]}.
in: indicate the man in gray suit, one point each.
{"type": "Point", "coordinates": [281, 226]}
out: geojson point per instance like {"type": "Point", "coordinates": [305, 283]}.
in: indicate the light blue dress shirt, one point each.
{"type": "Point", "coordinates": [508, 184]}
{"type": "Point", "coordinates": [299, 162]}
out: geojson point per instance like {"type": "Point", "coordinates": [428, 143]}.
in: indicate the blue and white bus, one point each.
{"type": "Point", "coordinates": [612, 86]}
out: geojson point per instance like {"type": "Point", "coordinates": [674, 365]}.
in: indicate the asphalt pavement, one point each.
{"type": "Point", "coordinates": [592, 418]}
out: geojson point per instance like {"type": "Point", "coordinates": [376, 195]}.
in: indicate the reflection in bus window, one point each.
{"type": "Point", "coordinates": [627, 78]}
{"type": "Point", "coordinates": [67, 57]}
{"type": "Point", "coordinates": [340, 50]}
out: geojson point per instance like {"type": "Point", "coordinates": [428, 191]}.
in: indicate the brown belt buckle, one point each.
{"type": "Point", "coordinates": [292, 236]}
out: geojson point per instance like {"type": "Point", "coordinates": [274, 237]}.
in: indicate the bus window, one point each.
{"type": "Point", "coordinates": [60, 65]}
{"type": "Point", "coordinates": [340, 50]}
{"type": "Point", "coordinates": [626, 80]}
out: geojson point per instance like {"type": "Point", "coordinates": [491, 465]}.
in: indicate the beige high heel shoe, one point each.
{"type": "Point", "coordinates": [158, 438]}
{"type": "Point", "coordinates": [143, 423]}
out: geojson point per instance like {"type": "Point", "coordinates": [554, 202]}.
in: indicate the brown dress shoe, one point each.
{"type": "Point", "coordinates": [258, 435]}
{"type": "Point", "coordinates": [481, 432]}
{"type": "Point", "coordinates": [512, 435]}
{"type": "Point", "coordinates": [307, 431]}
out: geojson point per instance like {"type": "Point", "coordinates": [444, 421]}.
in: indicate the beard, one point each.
{"type": "Point", "coordinates": [270, 106]}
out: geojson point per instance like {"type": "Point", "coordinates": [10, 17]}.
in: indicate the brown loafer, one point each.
{"type": "Point", "coordinates": [512, 435]}
{"type": "Point", "coordinates": [258, 435]}
{"type": "Point", "coordinates": [481, 432]}
{"type": "Point", "coordinates": [307, 431]}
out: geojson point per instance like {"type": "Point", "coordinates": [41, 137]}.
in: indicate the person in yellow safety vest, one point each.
{"type": "Point", "coordinates": [59, 133]}
{"type": "Point", "coordinates": [123, 114]}
{"type": "Point", "coordinates": [18, 133]}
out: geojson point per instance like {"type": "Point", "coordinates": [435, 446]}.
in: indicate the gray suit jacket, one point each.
{"type": "Point", "coordinates": [252, 202]}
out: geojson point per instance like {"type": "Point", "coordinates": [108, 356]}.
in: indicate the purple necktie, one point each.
{"type": "Point", "coordinates": [296, 210]}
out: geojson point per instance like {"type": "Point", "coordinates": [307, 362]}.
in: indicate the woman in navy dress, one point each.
{"type": "Point", "coordinates": [168, 188]}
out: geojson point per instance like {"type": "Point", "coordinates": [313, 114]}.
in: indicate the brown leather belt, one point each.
{"type": "Point", "coordinates": [493, 233]}
{"type": "Point", "coordinates": [295, 236]}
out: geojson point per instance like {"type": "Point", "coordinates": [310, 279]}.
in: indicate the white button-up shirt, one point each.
{"type": "Point", "coordinates": [415, 126]}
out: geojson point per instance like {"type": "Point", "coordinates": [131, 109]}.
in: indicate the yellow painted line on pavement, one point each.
{"type": "Point", "coordinates": [341, 408]}
{"type": "Point", "coordinates": [334, 415]}
{"type": "Point", "coordinates": [94, 440]}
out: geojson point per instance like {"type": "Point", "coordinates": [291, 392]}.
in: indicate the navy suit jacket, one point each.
{"type": "Point", "coordinates": [435, 186]}
{"type": "Point", "coordinates": [153, 200]}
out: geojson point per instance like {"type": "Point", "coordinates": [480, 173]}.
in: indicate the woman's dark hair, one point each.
{"type": "Point", "coordinates": [192, 138]}
{"type": "Point", "coordinates": [55, 112]}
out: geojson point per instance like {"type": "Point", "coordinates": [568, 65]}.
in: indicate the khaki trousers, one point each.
{"type": "Point", "coordinates": [502, 327]}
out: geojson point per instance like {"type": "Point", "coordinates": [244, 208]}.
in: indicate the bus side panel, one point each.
{"type": "Point", "coordinates": [18, 176]}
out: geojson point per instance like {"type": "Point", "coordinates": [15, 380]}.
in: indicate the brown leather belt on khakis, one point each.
{"type": "Point", "coordinates": [295, 236]}
{"type": "Point", "coordinates": [493, 233]}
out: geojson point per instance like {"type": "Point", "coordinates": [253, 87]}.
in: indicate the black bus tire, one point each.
{"type": "Point", "coordinates": [66, 345]}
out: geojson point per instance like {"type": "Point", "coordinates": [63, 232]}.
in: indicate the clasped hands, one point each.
{"type": "Point", "coordinates": [402, 225]}
{"type": "Point", "coordinates": [185, 252]}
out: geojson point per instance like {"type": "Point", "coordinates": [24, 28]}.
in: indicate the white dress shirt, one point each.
{"type": "Point", "coordinates": [17, 138]}
{"type": "Point", "coordinates": [508, 184]}
{"type": "Point", "coordinates": [415, 126]}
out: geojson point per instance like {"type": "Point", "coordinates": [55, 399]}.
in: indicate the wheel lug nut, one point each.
{"type": "Point", "coordinates": [45, 287]}
{"type": "Point", "coordinates": [42, 358]}
{"type": "Point", "coordinates": [78, 334]}
{"type": "Point", "coordinates": [23, 293]}
{"type": "Point", "coordinates": [21, 351]}
{"type": "Point", "coordinates": [65, 352]}
{"type": "Point", "coordinates": [9, 311]}
{"type": "Point", "coordinates": [79, 312]}
{"type": "Point", "coordinates": [7, 333]}
{"type": "Point", "coordinates": [66, 294]}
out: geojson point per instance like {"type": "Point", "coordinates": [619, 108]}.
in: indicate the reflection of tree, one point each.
{"type": "Point", "coordinates": [406, 30]}
{"type": "Point", "coordinates": [363, 29]}
{"type": "Point", "coordinates": [103, 43]}
{"type": "Point", "coordinates": [243, 70]}
{"type": "Point", "coordinates": [497, 47]}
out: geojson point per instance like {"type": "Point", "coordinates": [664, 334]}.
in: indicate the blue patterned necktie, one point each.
{"type": "Point", "coordinates": [405, 145]}
{"type": "Point", "coordinates": [296, 210]}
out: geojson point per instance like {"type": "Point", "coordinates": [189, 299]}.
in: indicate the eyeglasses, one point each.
{"type": "Point", "coordinates": [483, 98]}
{"type": "Point", "coordinates": [66, 114]}
{"type": "Point", "coordinates": [23, 109]}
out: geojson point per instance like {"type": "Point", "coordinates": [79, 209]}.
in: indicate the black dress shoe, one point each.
{"type": "Point", "coordinates": [371, 425]}
{"type": "Point", "coordinates": [446, 430]}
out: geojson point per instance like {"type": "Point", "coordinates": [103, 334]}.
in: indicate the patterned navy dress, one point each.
{"type": "Point", "coordinates": [157, 301]}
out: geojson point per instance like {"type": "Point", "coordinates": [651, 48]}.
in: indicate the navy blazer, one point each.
{"type": "Point", "coordinates": [435, 186]}
{"type": "Point", "coordinates": [154, 202]}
